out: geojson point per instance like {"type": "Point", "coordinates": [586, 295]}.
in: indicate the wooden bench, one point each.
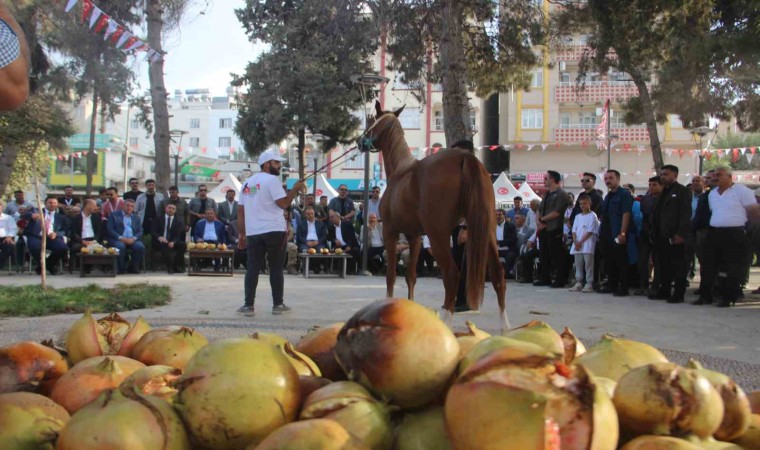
{"type": "Point", "coordinates": [305, 257]}
{"type": "Point", "coordinates": [196, 256]}
{"type": "Point", "coordinates": [94, 259]}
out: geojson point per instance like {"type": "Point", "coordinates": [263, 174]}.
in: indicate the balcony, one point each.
{"type": "Point", "coordinates": [595, 91]}
{"type": "Point", "coordinates": [586, 132]}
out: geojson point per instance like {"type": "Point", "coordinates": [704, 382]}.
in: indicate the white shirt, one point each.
{"type": "Point", "coordinates": [531, 220]}
{"type": "Point", "coordinates": [585, 223]}
{"type": "Point", "coordinates": [730, 208]}
{"type": "Point", "coordinates": [425, 241]}
{"type": "Point", "coordinates": [374, 207]}
{"type": "Point", "coordinates": [339, 235]}
{"type": "Point", "coordinates": [311, 231]}
{"type": "Point", "coordinates": [375, 236]}
{"type": "Point", "coordinates": [87, 231]}
{"type": "Point", "coordinates": [209, 233]}
{"type": "Point", "coordinates": [49, 220]}
{"type": "Point", "coordinates": [500, 231]}
{"type": "Point", "coordinates": [258, 196]}
{"type": "Point", "coordinates": [7, 226]}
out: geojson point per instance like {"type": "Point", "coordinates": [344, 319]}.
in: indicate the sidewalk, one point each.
{"type": "Point", "coordinates": [725, 339]}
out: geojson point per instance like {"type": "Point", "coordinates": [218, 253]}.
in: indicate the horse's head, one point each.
{"type": "Point", "coordinates": [380, 123]}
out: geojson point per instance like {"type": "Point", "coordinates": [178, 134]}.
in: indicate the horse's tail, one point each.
{"type": "Point", "coordinates": [478, 200]}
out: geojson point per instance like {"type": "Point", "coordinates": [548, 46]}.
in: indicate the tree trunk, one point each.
{"type": "Point", "coordinates": [92, 158]}
{"type": "Point", "coordinates": [302, 154]}
{"type": "Point", "coordinates": [161, 132]}
{"type": "Point", "coordinates": [41, 211]}
{"type": "Point", "coordinates": [649, 118]}
{"type": "Point", "coordinates": [456, 105]}
{"type": "Point", "coordinates": [7, 161]}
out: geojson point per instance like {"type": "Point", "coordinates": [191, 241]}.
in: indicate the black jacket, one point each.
{"type": "Point", "coordinates": [76, 227]}
{"type": "Point", "coordinates": [177, 231]}
{"type": "Point", "coordinates": [703, 214]}
{"type": "Point", "coordinates": [348, 232]}
{"type": "Point", "coordinates": [510, 237]}
{"type": "Point", "coordinates": [672, 213]}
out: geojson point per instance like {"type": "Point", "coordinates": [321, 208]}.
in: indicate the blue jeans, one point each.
{"type": "Point", "coordinates": [57, 248]}
{"type": "Point", "coordinates": [272, 246]}
{"type": "Point", "coordinates": [136, 253]}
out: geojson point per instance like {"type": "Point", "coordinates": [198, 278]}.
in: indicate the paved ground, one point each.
{"type": "Point", "coordinates": [726, 339]}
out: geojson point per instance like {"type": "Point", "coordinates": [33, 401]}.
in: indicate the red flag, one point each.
{"type": "Point", "coordinates": [753, 150]}
{"type": "Point", "coordinates": [87, 9]}
{"type": "Point", "coordinates": [203, 149]}
{"type": "Point", "coordinates": [130, 42]}
{"type": "Point", "coordinates": [102, 22]}
{"type": "Point", "coordinates": [680, 153]}
{"type": "Point", "coordinates": [117, 34]}
{"type": "Point", "coordinates": [601, 129]}
{"type": "Point", "coordinates": [708, 156]}
{"type": "Point", "coordinates": [735, 155]}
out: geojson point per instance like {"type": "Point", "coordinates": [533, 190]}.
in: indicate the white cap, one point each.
{"type": "Point", "coordinates": [269, 155]}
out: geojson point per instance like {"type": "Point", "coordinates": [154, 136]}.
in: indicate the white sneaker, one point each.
{"type": "Point", "coordinates": [588, 289]}
{"type": "Point", "coordinates": [576, 288]}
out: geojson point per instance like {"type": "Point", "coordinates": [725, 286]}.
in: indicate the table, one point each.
{"type": "Point", "coordinates": [307, 256]}
{"type": "Point", "coordinates": [197, 256]}
{"type": "Point", "coordinates": [94, 259]}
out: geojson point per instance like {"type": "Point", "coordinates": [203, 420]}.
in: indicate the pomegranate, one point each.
{"type": "Point", "coordinates": [666, 399]}
{"type": "Point", "coordinates": [423, 430]}
{"type": "Point", "coordinates": [124, 419]}
{"type": "Point", "coordinates": [754, 401]}
{"type": "Point", "coordinates": [612, 357]}
{"type": "Point", "coordinates": [158, 381]}
{"type": "Point", "coordinates": [86, 380]}
{"type": "Point", "coordinates": [573, 346]}
{"type": "Point", "coordinates": [29, 421]}
{"type": "Point", "coordinates": [111, 335]}
{"type": "Point", "coordinates": [314, 434]}
{"type": "Point", "coordinates": [659, 443]}
{"type": "Point", "coordinates": [750, 440]}
{"type": "Point", "coordinates": [541, 334]}
{"type": "Point", "coordinates": [512, 399]}
{"type": "Point", "coordinates": [736, 413]}
{"type": "Point", "coordinates": [319, 345]}
{"type": "Point", "coordinates": [29, 366]}
{"type": "Point", "coordinates": [399, 350]}
{"type": "Point", "coordinates": [354, 408]}
{"type": "Point", "coordinates": [302, 363]}
{"type": "Point", "coordinates": [171, 346]}
{"type": "Point", "coordinates": [493, 343]}
{"type": "Point", "coordinates": [606, 384]}
{"type": "Point", "coordinates": [469, 338]}
{"type": "Point", "coordinates": [234, 392]}
{"type": "Point", "coordinates": [310, 384]}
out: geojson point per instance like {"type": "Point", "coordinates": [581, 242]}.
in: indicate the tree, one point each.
{"type": "Point", "coordinates": [303, 81]}
{"type": "Point", "coordinates": [731, 141]}
{"type": "Point", "coordinates": [485, 45]}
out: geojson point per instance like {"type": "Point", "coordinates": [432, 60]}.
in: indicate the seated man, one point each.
{"type": "Point", "coordinates": [341, 234]}
{"type": "Point", "coordinates": [376, 245]}
{"type": "Point", "coordinates": [426, 262]}
{"type": "Point", "coordinates": [506, 238]}
{"type": "Point", "coordinates": [8, 230]}
{"type": "Point", "coordinates": [56, 227]}
{"type": "Point", "coordinates": [169, 238]}
{"type": "Point", "coordinates": [124, 231]}
{"type": "Point", "coordinates": [311, 233]}
{"type": "Point", "coordinates": [524, 266]}
{"type": "Point", "coordinates": [403, 252]}
{"type": "Point", "coordinates": [86, 227]}
{"type": "Point", "coordinates": [210, 231]}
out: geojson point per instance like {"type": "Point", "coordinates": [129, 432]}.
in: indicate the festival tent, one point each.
{"type": "Point", "coordinates": [324, 188]}
{"type": "Point", "coordinates": [503, 189]}
{"type": "Point", "coordinates": [527, 193]}
{"type": "Point", "coordinates": [219, 192]}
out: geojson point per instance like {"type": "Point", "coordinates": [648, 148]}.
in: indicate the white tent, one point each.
{"type": "Point", "coordinates": [503, 189]}
{"type": "Point", "coordinates": [219, 192]}
{"type": "Point", "coordinates": [324, 188]}
{"type": "Point", "coordinates": [527, 193]}
{"type": "Point", "coordinates": [600, 184]}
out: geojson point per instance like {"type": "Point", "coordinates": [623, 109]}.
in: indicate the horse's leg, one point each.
{"type": "Point", "coordinates": [411, 272]}
{"type": "Point", "coordinates": [439, 243]}
{"type": "Point", "coordinates": [391, 261]}
{"type": "Point", "coordinates": [499, 282]}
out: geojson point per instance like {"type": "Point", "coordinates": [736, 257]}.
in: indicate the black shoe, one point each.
{"type": "Point", "coordinates": [558, 285]}
{"type": "Point", "coordinates": [280, 309]}
{"type": "Point", "coordinates": [542, 283]}
{"type": "Point", "coordinates": [675, 299]}
{"type": "Point", "coordinates": [725, 304]}
{"type": "Point", "coordinates": [697, 292]}
{"type": "Point", "coordinates": [620, 294]}
{"type": "Point", "coordinates": [659, 296]}
{"type": "Point", "coordinates": [606, 290]}
{"type": "Point", "coordinates": [639, 292]}
{"type": "Point", "coordinates": [702, 301]}
{"type": "Point", "coordinates": [246, 311]}
{"type": "Point", "coordinates": [133, 271]}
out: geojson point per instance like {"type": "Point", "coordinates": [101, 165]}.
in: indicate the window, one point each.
{"type": "Point", "coordinates": [617, 120]}
{"type": "Point", "coordinates": [134, 124]}
{"type": "Point", "coordinates": [133, 142]}
{"type": "Point", "coordinates": [587, 120]}
{"type": "Point", "coordinates": [225, 123]}
{"type": "Point", "coordinates": [131, 162]}
{"type": "Point", "coordinates": [532, 118]}
{"type": "Point", "coordinates": [473, 121]}
{"type": "Point", "coordinates": [64, 167]}
{"type": "Point", "coordinates": [195, 142]}
{"type": "Point", "coordinates": [564, 120]}
{"type": "Point", "coordinates": [195, 123]}
{"type": "Point", "coordinates": [225, 141]}
{"type": "Point", "coordinates": [355, 160]}
{"type": "Point", "coordinates": [438, 126]}
{"type": "Point", "coordinates": [675, 121]}
{"type": "Point", "coordinates": [564, 77]}
{"type": "Point", "coordinates": [410, 118]}
{"type": "Point", "coordinates": [537, 79]}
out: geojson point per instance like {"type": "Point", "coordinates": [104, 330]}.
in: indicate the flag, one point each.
{"type": "Point", "coordinates": [124, 38]}
{"type": "Point", "coordinates": [601, 130]}
{"type": "Point", "coordinates": [117, 35]}
{"type": "Point", "coordinates": [87, 9]}
{"type": "Point", "coordinates": [96, 13]}
{"type": "Point", "coordinates": [70, 5]}
{"type": "Point", "coordinates": [102, 22]}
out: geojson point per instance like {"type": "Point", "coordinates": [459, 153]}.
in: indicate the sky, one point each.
{"type": "Point", "coordinates": [209, 45]}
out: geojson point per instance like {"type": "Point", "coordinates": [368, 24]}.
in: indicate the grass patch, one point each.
{"type": "Point", "coordinates": [33, 301]}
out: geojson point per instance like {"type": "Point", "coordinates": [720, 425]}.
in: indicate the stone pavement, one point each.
{"type": "Point", "coordinates": [726, 339]}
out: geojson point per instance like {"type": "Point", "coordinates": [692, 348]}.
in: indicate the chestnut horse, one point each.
{"type": "Point", "coordinates": [432, 196]}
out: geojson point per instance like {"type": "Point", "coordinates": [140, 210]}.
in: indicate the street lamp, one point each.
{"type": "Point", "coordinates": [317, 137]}
{"type": "Point", "coordinates": [180, 133]}
{"type": "Point", "coordinates": [363, 81]}
{"type": "Point", "coordinates": [701, 132]}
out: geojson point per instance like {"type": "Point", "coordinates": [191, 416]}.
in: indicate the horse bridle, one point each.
{"type": "Point", "coordinates": [367, 143]}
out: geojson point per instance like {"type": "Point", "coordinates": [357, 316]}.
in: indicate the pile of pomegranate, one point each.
{"type": "Point", "coordinates": [393, 376]}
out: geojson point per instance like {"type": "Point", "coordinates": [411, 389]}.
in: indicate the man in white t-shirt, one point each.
{"type": "Point", "coordinates": [262, 229]}
{"type": "Point", "coordinates": [726, 245]}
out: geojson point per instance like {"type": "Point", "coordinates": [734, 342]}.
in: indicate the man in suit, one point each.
{"type": "Point", "coordinates": [506, 238]}
{"type": "Point", "coordinates": [56, 228]}
{"type": "Point", "coordinates": [86, 227]}
{"type": "Point", "coordinates": [227, 210]}
{"type": "Point", "coordinates": [210, 231]}
{"type": "Point", "coordinates": [180, 205]}
{"type": "Point", "coordinates": [124, 231]}
{"type": "Point", "coordinates": [341, 234]}
{"type": "Point", "coordinates": [8, 230]}
{"type": "Point", "coordinates": [670, 230]}
{"type": "Point", "coordinates": [311, 233]}
{"type": "Point", "coordinates": [199, 205]}
{"type": "Point", "coordinates": [169, 238]}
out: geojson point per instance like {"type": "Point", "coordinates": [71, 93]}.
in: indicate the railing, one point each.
{"type": "Point", "coordinates": [570, 92]}
{"type": "Point", "coordinates": [587, 132]}
{"type": "Point", "coordinates": [592, 126]}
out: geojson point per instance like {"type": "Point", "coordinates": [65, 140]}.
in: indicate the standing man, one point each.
{"type": "Point", "coordinates": [263, 231]}
{"type": "Point", "coordinates": [506, 239]}
{"type": "Point", "coordinates": [645, 242]}
{"type": "Point", "coordinates": [135, 190]}
{"type": "Point", "coordinates": [86, 227]}
{"type": "Point", "coordinates": [68, 200]}
{"type": "Point", "coordinates": [670, 231]}
{"type": "Point", "coordinates": [700, 224]}
{"type": "Point", "coordinates": [124, 231]}
{"type": "Point", "coordinates": [697, 189]}
{"type": "Point", "coordinates": [588, 181]}
{"type": "Point", "coordinates": [320, 213]}
{"type": "Point", "coordinates": [180, 205]}
{"type": "Point", "coordinates": [113, 204]}
{"type": "Point", "coordinates": [12, 208]}
{"type": "Point", "coordinates": [15, 62]}
{"type": "Point", "coordinates": [616, 218]}
{"type": "Point", "coordinates": [518, 209]}
{"type": "Point", "coordinates": [531, 219]}
{"type": "Point", "coordinates": [8, 230]}
{"type": "Point", "coordinates": [199, 205]}
{"type": "Point", "coordinates": [374, 203]}
{"type": "Point", "coordinates": [147, 205]}
{"type": "Point", "coordinates": [228, 208]}
{"type": "Point", "coordinates": [550, 218]}
{"type": "Point", "coordinates": [56, 226]}
{"type": "Point", "coordinates": [102, 197]}
{"type": "Point", "coordinates": [343, 205]}
{"type": "Point", "coordinates": [169, 238]}
{"type": "Point", "coordinates": [726, 245]}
